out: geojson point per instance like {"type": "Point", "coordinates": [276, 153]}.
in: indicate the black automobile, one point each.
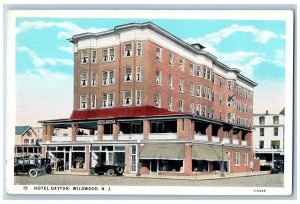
{"type": "Point", "coordinates": [34, 166]}
{"type": "Point", "coordinates": [278, 167]}
{"type": "Point", "coordinates": [107, 169]}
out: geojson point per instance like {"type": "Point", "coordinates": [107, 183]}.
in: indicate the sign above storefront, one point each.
{"type": "Point", "coordinates": [106, 122]}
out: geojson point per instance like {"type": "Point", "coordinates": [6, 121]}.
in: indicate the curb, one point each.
{"type": "Point", "coordinates": [191, 178]}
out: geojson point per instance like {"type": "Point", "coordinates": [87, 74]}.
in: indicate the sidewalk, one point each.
{"type": "Point", "coordinates": [194, 177]}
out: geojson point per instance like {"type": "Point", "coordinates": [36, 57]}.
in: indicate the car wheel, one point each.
{"type": "Point", "coordinates": [110, 172]}
{"type": "Point", "coordinates": [33, 173]}
{"type": "Point", "coordinates": [43, 171]}
{"type": "Point", "coordinates": [92, 172]}
{"type": "Point", "coordinates": [120, 171]}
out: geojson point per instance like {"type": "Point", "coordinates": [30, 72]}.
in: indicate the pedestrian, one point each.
{"type": "Point", "coordinates": [57, 164]}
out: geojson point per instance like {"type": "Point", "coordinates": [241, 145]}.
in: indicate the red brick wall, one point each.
{"type": "Point", "coordinates": [187, 160]}
{"type": "Point", "coordinates": [241, 167]}
{"type": "Point", "coordinates": [148, 86]}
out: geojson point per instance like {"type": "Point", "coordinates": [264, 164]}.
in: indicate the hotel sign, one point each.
{"type": "Point", "coordinates": [106, 122]}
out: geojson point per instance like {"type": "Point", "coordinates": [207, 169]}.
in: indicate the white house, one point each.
{"type": "Point", "coordinates": [268, 138]}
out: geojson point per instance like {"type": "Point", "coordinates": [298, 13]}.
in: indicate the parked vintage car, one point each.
{"type": "Point", "coordinates": [34, 166]}
{"type": "Point", "coordinates": [278, 167]}
{"type": "Point", "coordinates": [107, 169]}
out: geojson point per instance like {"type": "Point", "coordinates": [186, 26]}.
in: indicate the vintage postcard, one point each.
{"type": "Point", "coordinates": [149, 102]}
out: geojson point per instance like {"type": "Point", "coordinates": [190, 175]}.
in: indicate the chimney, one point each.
{"type": "Point", "coordinates": [267, 112]}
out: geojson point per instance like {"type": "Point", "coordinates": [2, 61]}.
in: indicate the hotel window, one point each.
{"type": "Point", "coordinates": [208, 74]}
{"type": "Point", "coordinates": [84, 57]}
{"type": "Point", "coordinates": [208, 112]}
{"type": "Point", "coordinates": [83, 103]}
{"type": "Point", "coordinates": [157, 100]}
{"type": "Point", "coordinates": [230, 84]}
{"type": "Point", "coordinates": [128, 50]}
{"type": "Point", "coordinates": [276, 119]}
{"type": "Point", "coordinates": [192, 70]}
{"type": "Point", "coordinates": [170, 103]}
{"type": "Point", "coordinates": [208, 93]}
{"type": "Point", "coordinates": [198, 109]}
{"type": "Point", "coordinates": [261, 131]}
{"type": "Point", "coordinates": [212, 113]}
{"type": "Point", "coordinates": [204, 72]}
{"type": "Point", "coordinates": [107, 100]}
{"type": "Point", "coordinates": [105, 55]}
{"type": "Point", "coordinates": [230, 101]}
{"type": "Point", "coordinates": [236, 158]}
{"type": "Point", "coordinates": [93, 101]}
{"type": "Point", "coordinates": [198, 71]}
{"type": "Point", "coordinates": [220, 115]}
{"type": "Point", "coordinates": [192, 89]}
{"type": "Point", "coordinates": [158, 77]}
{"type": "Point", "coordinates": [262, 120]}
{"type": "Point", "coordinates": [127, 98]}
{"type": "Point", "coordinates": [204, 111]}
{"type": "Point", "coordinates": [94, 56]}
{"type": "Point", "coordinates": [246, 94]}
{"type": "Point", "coordinates": [170, 81]}
{"type": "Point", "coordinates": [171, 59]}
{"type": "Point", "coordinates": [245, 159]}
{"type": "Point", "coordinates": [221, 99]}
{"type": "Point", "coordinates": [83, 79]}
{"type": "Point", "coordinates": [181, 106]}
{"type": "Point", "coordinates": [213, 77]}
{"type": "Point", "coordinates": [108, 54]}
{"type": "Point", "coordinates": [158, 53]}
{"type": "Point", "coordinates": [108, 78]}
{"type": "Point", "coordinates": [94, 79]}
{"type": "Point", "coordinates": [261, 144]}
{"type": "Point", "coordinates": [128, 74]}
{"type": "Point", "coordinates": [138, 73]}
{"type": "Point", "coordinates": [198, 91]}
{"type": "Point", "coordinates": [221, 81]}
{"type": "Point", "coordinates": [133, 158]}
{"type": "Point", "coordinates": [275, 131]}
{"type": "Point", "coordinates": [213, 96]}
{"type": "Point", "coordinates": [138, 97]}
{"type": "Point", "coordinates": [192, 108]}
{"type": "Point", "coordinates": [139, 50]}
{"type": "Point", "coordinates": [181, 64]}
{"type": "Point", "coordinates": [181, 83]}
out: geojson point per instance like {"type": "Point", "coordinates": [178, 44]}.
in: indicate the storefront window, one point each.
{"type": "Point", "coordinates": [170, 165]}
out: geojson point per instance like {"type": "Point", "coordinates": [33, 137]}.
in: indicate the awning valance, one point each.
{"type": "Point", "coordinates": [162, 151]}
{"type": "Point", "coordinates": [209, 153]}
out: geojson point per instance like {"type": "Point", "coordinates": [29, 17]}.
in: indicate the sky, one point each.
{"type": "Point", "coordinates": [44, 58]}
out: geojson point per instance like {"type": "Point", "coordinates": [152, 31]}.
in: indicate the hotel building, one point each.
{"type": "Point", "coordinates": [142, 94]}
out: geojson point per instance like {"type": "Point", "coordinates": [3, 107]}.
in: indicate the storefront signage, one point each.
{"type": "Point", "coordinates": [106, 122]}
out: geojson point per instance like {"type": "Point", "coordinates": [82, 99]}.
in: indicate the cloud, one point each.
{"type": "Point", "coordinates": [269, 92]}
{"type": "Point", "coordinates": [37, 61]}
{"type": "Point", "coordinates": [66, 49]}
{"type": "Point", "coordinates": [260, 36]}
{"type": "Point", "coordinates": [69, 28]}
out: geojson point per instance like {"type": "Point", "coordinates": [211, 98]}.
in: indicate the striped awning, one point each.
{"type": "Point", "coordinates": [162, 151]}
{"type": "Point", "coordinates": [209, 153]}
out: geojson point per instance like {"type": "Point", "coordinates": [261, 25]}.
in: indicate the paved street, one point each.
{"type": "Point", "coordinates": [272, 180]}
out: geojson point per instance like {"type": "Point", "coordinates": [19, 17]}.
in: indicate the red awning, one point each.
{"type": "Point", "coordinates": [121, 112]}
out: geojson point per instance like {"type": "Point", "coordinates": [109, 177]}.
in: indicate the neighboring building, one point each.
{"type": "Point", "coordinates": [268, 138]}
{"type": "Point", "coordinates": [142, 94]}
{"type": "Point", "coordinates": [26, 141]}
